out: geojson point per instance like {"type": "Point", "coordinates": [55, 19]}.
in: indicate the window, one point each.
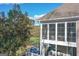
{"type": "Point", "coordinates": [61, 32]}
{"type": "Point", "coordinates": [51, 31]}
{"type": "Point", "coordinates": [44, 31]}
{"type": "Point", "coordinates": [71, 32]}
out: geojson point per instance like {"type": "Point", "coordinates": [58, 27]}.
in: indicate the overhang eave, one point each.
{"type": "Point", "coordinates": [62, 19]}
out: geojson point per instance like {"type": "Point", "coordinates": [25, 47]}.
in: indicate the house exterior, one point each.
{"type": "Point", "coordinates": [59, 31]}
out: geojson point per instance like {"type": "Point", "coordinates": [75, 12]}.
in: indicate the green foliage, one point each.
{"type": "Point", "coordinates": [35, 40]}
{"type": "Point", "coordinates": [14, 32]}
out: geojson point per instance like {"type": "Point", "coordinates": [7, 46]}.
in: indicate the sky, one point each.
{"type": "Point", "coordinates": [33, 9]}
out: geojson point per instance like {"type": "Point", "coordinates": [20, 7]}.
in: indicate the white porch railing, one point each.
{"type": "Point", "coordinates": [62, 43]}
{"type": "Point", "coordinates": [58, 53]}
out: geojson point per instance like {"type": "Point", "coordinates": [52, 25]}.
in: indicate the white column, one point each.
{"type": "Point", "coordinates": [56, 39]}
{"type": "Point", "coordinates": [65, 31]}
{"type": "Point", "coordinates": [41, 39]}
{"type": "Point", "coordinates": [48, 33]}
{"type": "Point", "coordinates": [66, 35]}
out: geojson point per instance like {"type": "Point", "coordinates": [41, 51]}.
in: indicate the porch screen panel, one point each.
{"type": "Point", "coordinates": [61, 50]}
{"type": "Point", "coordinates": [72, 51]}
{"type": "Point", "coordinates": [44, 31]}
{"type": "Point", "coordinates": [71, 32]}
{"type": "Point", "coordinates": [51, 31]}
{"type": "Point", "coordinates": [51, 50]}
{"type": "Point", "coordinates": [61, 32]}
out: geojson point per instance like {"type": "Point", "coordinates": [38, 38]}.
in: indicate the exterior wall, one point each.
{"type": "Point", "coordinates": [77, 26]}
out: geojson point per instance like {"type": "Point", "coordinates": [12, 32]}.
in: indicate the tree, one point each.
{"type": "Point", "coordinates": [15, 32]}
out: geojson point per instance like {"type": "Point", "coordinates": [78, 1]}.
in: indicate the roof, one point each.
{"type": "Point", "coordinates": [65, 10]}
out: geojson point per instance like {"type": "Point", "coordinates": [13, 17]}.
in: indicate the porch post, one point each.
{"type": "Point", "coordinates": [65, 31]}
{"type": "Point", "coordinates": [41, 39]}
{"type": "Point", "coordinates": [56, 39]}
{"type": "Point", "coordinates": [48, 33]}
{"type": "Point", "coordinates": [66, 36]}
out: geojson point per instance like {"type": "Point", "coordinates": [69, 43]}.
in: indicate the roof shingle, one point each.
{"type": "Point", "coordinates": [65, 10]}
